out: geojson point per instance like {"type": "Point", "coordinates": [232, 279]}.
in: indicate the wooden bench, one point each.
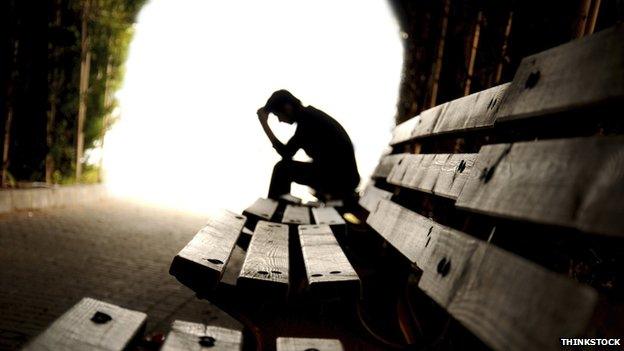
{"type": "Point", "coordinates": [97, 325]}
{"type": "Point", "coordinates": [92, 325]}
{"type": "Point", "coordinates": [492, 222]}
{"type": "Point", "coordinates": [496, 219]}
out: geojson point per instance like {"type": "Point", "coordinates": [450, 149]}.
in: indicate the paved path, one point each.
{"type": "Point", "coordinates": [113, 250]}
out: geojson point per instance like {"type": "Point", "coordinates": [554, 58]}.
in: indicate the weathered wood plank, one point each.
{"type": "Point", "coordinates": [438, 174]}
{"type": "Point", "coordinates": [428, 120]}
{"type": "Point", "coordinates": [262, 208]}
{"type": "Point", "coordinates": [327, 268]}
{"type": "Point", "coordinates": [187, 336]}
{"type": "Point", "coordinates": [327, 215]}
{"type": "Point", "coordinates": [91, 325]}
{"type": "Point", "coordinates": [570, 182]}
{"type": "Point", "coordinates": [411, 171]}
{"type": "Point", "coordinates": [296, 215]}
{"type": "Point", "coordinates": [398, 172]}
{"type": "Point", "coordinates": [200, 264]}
{"type": "Point", "coordinates": [454, 174]}
{"type": "Point", "coordinates": [300, 344]}
{"type": "Point", "coordinates": [445, 264]}
{"type": "Point", "coordinates": [291, 199]}
{"type": "Point", "coordinates": [513, 304]}
{"type": "Point", "coordinates": [419, 126]}
{"type": "Point", "coordinates": [371, 196]}
{"type": "Point", "coordinates": [581, 73]}
{"type": "Point", "coordinates": [403, 132]}
{"type": "Point", "coordinates": [385, 165]}
{"type": "Point", "coordinates": [471, 112]}
{"type": "Point", "coordinates": [266, 263]}
{"type": "Point", "coordinates": [409, 232]}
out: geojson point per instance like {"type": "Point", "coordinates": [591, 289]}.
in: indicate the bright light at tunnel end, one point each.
{"type": "Point", "coordinates": [197, 71]}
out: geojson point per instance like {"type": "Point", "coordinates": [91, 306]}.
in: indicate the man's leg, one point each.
{"type": "Point", "coordinates": [288, 171]}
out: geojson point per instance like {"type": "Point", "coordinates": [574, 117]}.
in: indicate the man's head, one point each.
{"type": "Point", "coordinates": [284, 105]}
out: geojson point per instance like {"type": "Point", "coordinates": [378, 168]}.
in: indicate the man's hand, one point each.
{"type": "Point", "coordinates": [263, 115]}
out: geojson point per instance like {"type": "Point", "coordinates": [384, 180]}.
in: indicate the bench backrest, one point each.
{"type": "Point", "coordinates": [471, 180]}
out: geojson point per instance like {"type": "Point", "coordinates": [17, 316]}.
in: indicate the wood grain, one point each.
{"type": "Point", "coordinates": [581, 73]}
{"type": "Point", "coordinates": [76, 330]}
{"type": "Point", "coordinates": [302, 344]}
{"type": "Point", "coordinates": [444, 267]}
{"type": "Point", "coordinates": [438, 174]}
{"type": "Point", "coordinates": [262, 208]}
{"type": "Point", "coordinates": [187, 336]}
{"type": "Point", "coordinates": [201, 263]}
{"type": "Point", "coordinates": [407, 231]}
{"type": "Point", "coordinates": [428, 120]}
{"type": "Point", "coordinates": [266, 263]}
{"type": "Point", "coordinates": [475, 111]}
{"type": "Point", "coordinates": [513, 304]}
{"type": "Point", "coordinates": [327, 215]}
{"type": "Point", "coordinates": [327, 268]}
{"type": "Point", "coordinates": [453, 175]}
{"type": "Point", "coordinates": [403, 132]}
{"type": "Point", "coordinates": [371, 196]}
{"type": "Point", "coordinates": [295, 214]}
{"type": "Point", "coordinates": [385, 165]}
{"type": "Point", "coordinates": [568, 182]}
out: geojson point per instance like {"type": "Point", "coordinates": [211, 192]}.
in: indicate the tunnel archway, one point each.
{"type": "Point", "coordinates": [198, 71]}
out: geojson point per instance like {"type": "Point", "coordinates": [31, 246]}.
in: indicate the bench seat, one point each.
{"type": "Point", "coordinates": [91, 325]}
{"type": "Point", "coordinates": [276, 252]}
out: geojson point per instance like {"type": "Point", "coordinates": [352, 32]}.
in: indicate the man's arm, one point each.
{"type": "Point", "coordinates": [283, 150]}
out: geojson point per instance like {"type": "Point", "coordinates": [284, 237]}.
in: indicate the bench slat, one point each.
{"type": "Point", "coordinates": [296, 215]}
{"type": "Point", "coordinates": [291, 199]}
{"type": "Point", "coordinates": [266, 263]}
{"type": "Point", "coordinates": [407, 231]}
{"type": "Point", "coordinates": [187, 336]}
{"type": "Point", "coordinates": [411, 170]}
{"type": "Point", "coordinates": [428, 120]}
{"type": "Point", "coordinates": [570, 182]}
{"type": "Point", "coordinates": [371, 196]}
{"type": "Point", "coordinates": [262, 208]}
{"type": "Point", "coordinates": [471, 112]}
{"type": "Point", "coordinates": [577, 74]}
{"type": "Point", "coordinates": [91, 325]}
{"type": "Point", "coordinates": [513, 304]}
{"type": "Point", "coordinates": [300, 344]}
{"type": "Point", "coordinates": [444, 266]}
{"type": "Point", "coordinates": [327, 267]}
{"type": "Point", "coordinates": [403, 132]}
{"type": "Point", "coordinates": [439, 174]}
{"type": "Point", "coordinates": [385, 165]}
{"type": "Point", "coordinates": [507, 301]}
{"type": "Point", "coordinates": [200, 264]}
{"type": "Point", "coordinates": [454, 174]}
{"type": "Point", "coordinates": [327, 215]}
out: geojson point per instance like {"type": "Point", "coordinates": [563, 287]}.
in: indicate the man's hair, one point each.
{"type": "Point", "coordinates": [278, 99]}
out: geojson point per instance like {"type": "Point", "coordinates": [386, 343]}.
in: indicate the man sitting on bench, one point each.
{"type": "Point", "coordinates": [333, 171]}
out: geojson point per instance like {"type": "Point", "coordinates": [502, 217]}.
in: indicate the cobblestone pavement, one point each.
{"type": "Point", "coordinates": [114, 250]}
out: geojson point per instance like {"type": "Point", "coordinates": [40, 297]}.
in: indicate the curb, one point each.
{"type": "Point", "coordinates": [29, 199]}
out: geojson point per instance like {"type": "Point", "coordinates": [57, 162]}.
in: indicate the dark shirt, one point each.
{"type": "Point", "coordinates": [327, 143]}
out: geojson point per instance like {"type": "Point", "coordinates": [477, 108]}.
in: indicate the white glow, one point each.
{"type": "Point", "coordinates": [198, 70]}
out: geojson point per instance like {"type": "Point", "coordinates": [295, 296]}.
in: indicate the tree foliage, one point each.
{"type": "Point", "coordinates": [41, 80]}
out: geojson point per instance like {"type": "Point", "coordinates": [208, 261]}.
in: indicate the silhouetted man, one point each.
{"type": "Point", "coordinates": [333, 172]}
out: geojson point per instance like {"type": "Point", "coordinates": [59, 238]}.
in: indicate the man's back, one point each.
{"type": "Point", "coordinates": [327, 143]}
